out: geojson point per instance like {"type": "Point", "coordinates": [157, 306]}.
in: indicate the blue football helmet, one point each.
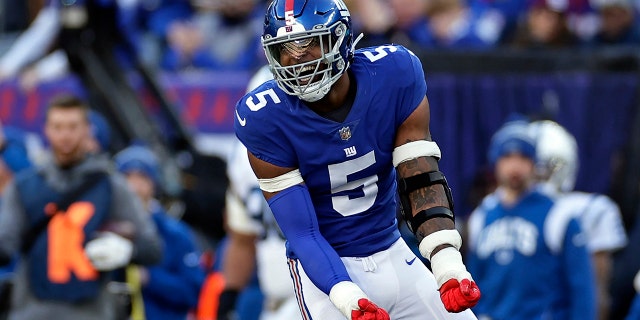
{"type": "Point", "coordinates": [295, 26]}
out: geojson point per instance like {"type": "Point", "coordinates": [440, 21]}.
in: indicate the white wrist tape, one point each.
{"type": "Point", "coordinates": [415, 149]}
{"type": "Point", "coordinates": [345, 295]}
{"type": "Point", "coordinates": [447, 264]}
{"type": "Point", "coordinates": [636, 282]}
{"type": "Point", "coordinates": [432, 241]}
{"type": "Point", "coordinates": [281, 182]}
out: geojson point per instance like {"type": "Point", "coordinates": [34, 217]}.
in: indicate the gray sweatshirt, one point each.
{"type": "Point", "coordinates": [124, 206]}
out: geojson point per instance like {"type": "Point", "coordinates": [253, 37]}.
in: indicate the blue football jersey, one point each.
{"type": "Point", "coordinates": [346, 165]}
{"type": "Point", "coordinates": [530, 260]}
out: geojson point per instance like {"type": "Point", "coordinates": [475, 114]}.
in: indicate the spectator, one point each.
{"type": "Point", "coordinates": [453, 24]}
{"type": "Point", "coordinates": [73, 221]}
{"type": "Point", "coordinates": [222, 35]}
{"type": "Point", "coordinates": [38, 56]}
{"type": "Point", "coordinates": [19, 144]}
{"type": "Point", "coordinates": [545, 26]}
{"type": "Point", "coordinates": [619, 24]}
{"type": "Point", "coordinates": [376, 19]}
{"type": "Point", "coordinates": [599, 216]}
{"type": "Point", "coordinates": [31, 56]}
{"type": "Point", "coordinates": [528, 258]}
{"type": "Point", "coordinates": [99, 139]}
{"type": "Point", "coordinates": [509, 11]}
{"type": "Point", "coordinates": [169, 289]}
{"type": "Point", "coordinates": [155, 19]}
{"type": "Point", "coordinates": [429, 24]}
{"type": "Point", "coordinates": [14, 154]}
{"type": "Point", "coordinates": [409, 24]}
{"type": "Point", "coordinates": [14, 158]}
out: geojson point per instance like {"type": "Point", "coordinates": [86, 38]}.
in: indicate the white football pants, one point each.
{"type": "Point", "coordinates": [394, 279]}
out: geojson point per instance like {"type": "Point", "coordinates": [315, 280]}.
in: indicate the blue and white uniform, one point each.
{"type": "Point", "coordinates": [248, 213]}
{"type": "Point", "coordinates": [531, 260]}
{"type": "Point", "coordinates": [599, 217]}
{"type": "Point", "coordinates": [347, 168]}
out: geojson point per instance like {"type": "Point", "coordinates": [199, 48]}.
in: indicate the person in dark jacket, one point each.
{"type": "Point", "coordinates": [55, 217]}
{"type": "Point", "coordinates": [169, 289]}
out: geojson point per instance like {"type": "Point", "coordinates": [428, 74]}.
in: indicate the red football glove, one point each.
{"type": "Point", "coordinates": [369, 311]}
{"type": "Point", "coordinates": [459, 296]}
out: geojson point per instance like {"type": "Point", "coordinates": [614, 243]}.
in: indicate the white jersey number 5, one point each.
{"type": "Point", "coordinates": [262, 101]}
{"type": "Point", "coordinates": [380, 53]}
{"type": "Point", "coordinates": [339, 177]}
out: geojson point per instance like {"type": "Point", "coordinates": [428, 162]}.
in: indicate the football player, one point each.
{"type": "Point", "coordinates": [600, 217]}
{"type": "Point", "coordinates": [529, 257]}
{"type": "Point", "coordinates": [254, 240]}
{"type": "Point", "coordinates": [332, 139]}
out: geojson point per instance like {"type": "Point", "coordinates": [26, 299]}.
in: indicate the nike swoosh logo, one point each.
{"type": "Point", "coordinates": [243, 122]}
{"type": "Point", "coordinates": [410, 262]}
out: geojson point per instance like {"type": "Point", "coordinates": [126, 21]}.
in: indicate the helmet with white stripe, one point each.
{"type": "Point", "coordinates": [295, 26]}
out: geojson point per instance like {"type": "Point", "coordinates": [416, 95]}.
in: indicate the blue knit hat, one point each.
{"type": "Point", "coordinates": [512, 137]}
{"type": "Point", "coordinates": [138, 159]}
{"type": "Point", "coordinates": [100, 129]}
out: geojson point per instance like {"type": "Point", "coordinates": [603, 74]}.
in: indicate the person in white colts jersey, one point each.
{"type": "Point", "coordinates": [332, 139]}
{"type": "Point", "coordinates": [529, 257]}
{"type": "Point", "coordinates": [557, 168]}
{"type": "Point", "coordinates": [254, 239]}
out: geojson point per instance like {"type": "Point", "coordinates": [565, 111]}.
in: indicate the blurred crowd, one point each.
{"type": "Point", "coordinates": [222, 35]}
{"type": "Point", "coordinates": [185, 36]}
{"type": "Point", "coordinates": [487, 24]}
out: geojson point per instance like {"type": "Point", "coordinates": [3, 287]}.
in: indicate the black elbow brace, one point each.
{"type": "Point", "coordinates": [413, 183]}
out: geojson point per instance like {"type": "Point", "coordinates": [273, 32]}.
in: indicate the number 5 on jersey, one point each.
{"type": "Point", "coordinates": [262, 102]}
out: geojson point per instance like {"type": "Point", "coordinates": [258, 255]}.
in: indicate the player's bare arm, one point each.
{"type": "Point", "coordinates": [428, 207]}
{"type": "Point", "coordinates": [416, 128]}
{"type": "Point", "coordinates": [426, 198]}
{"type": "Point", "coordinates": [239, 260]}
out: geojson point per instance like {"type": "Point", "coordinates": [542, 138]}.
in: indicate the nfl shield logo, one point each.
{"type": "Point", "coordinates": [345, 133]}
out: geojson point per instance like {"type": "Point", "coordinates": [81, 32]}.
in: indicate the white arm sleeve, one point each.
{"type": "Point", "coordinates": [34, 42]}
{"type": "Point", "coordinates": [52, 66]}
{"type": "Point", "coordinates": [602, 221]}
